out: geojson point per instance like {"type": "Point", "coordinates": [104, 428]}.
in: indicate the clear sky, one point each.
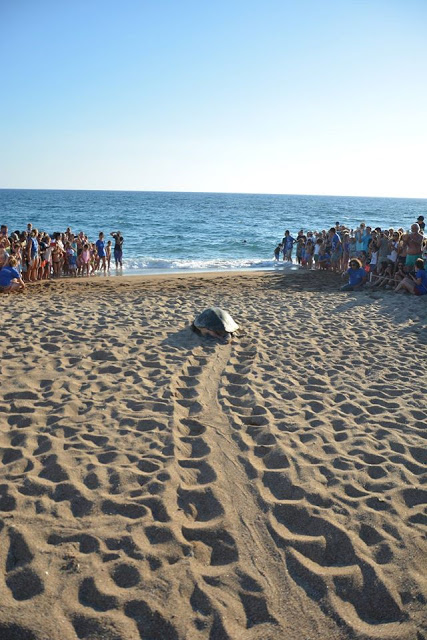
{"type": "Point", "coordinates": [273, 96]}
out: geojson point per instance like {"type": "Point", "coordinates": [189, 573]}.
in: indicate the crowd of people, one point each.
{"type": "Point", "coordinates": [30, 255]}
{"type": "Point", "coordinates": [374, 257]}
{"type": "Point", "coordinates": [390, 258]}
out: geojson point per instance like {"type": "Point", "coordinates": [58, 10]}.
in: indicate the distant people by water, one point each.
{"type": "Point", "coordinates": [31, 255]}
{"type": "Point", "coordinates": [387, 256]}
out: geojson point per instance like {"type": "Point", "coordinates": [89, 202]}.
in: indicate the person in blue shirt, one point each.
{"type": "Point", "coordinates": [288, 243]}
{"type": "Point", "coordinates": [336, 249]}
{"type": "Point", "coordinates": [100, 247]}
{"type": "Point", "coordinates": [414, 284]}
{"type": "Point", "coordinates": [10, 279]}
{"type": "Point", "coordinates": [356, 276]}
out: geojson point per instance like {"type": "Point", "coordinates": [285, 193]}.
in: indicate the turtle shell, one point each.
{"type": "Point", "coordinates": [216, 319]}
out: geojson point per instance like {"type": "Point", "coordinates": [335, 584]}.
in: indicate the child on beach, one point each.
{"type": "Point", "coordinates": [101, 255]}
{"type": "Point", "coordinates": [393, 249]}
{"type": "Point", "coordinates": [373, 258]}
{"type": "Point", "coordinates": [72, 262]}
{"type": "Point", "coordinates": [352, 248]}
{"type": "Point", "coordinates": [309, 252]}
{"type": "Point", "coordinates": [300, 249]}
{"type": "Point", "coordinates": [382, 274]}
{"type": "Point", "coordinates": [85, 259]}
{"type": "Point", "coordinates": [317, 246]}
{"type": "Point", "coordinates": [324, 258]}
{"type": "Point", "coordinates": [108, 254]}
{"type": "Point", "coordinates": [16, 251]}
{"type": "Point", "coordinates": [277, 252]}
{"type": "Point", "coordinates": [94, 258]}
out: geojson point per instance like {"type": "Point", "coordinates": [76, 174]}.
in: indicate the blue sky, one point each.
{"type": "Point", "coordinates": [307, 97]}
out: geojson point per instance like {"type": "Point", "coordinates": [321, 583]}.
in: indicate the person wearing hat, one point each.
{"type": "Point", "coordinates": [421, 222]}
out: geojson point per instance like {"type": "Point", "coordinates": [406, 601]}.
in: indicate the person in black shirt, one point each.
{"type": "Point", "coordinates": [118, 247]}
{"type": "Point", "coordinates": [421, 222]}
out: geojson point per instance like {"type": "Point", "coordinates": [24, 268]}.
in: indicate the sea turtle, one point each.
{"type": "Point", "coordinates": [215, 322]}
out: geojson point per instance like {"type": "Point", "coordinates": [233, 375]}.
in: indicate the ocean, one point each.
{"type": "Point", "coordinates": [166, 232]}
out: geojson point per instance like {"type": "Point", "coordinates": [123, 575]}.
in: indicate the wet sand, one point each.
{"type": "Point", "coordinates": [159, 485]}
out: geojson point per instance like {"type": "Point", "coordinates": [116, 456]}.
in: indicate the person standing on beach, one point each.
{"type": "Point", "coordinates": [336, 249]}
{"type": "Point", "coordinates": [100, 248]}
{"type": "Point", "coordinates": [33, 255]}
{"type": "Point", "coordinates": [108, 254]}
{"type": "Point", "coordinates": [287, 243]}
{"type": "Point", "coordinates": [118, 248]}
{"type": "Point", "coordinates": [414, 242]}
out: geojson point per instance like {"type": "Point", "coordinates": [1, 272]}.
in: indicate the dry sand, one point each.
{"type": "Point", "coordinates": [159, 485]}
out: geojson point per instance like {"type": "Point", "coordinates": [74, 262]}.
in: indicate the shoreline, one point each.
{"type": "Point", "coordinates": [156, 482]}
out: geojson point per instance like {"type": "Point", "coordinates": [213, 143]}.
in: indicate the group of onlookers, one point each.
{"type": "Point", "coordinates": [380, 257]}
{"type": "Point", "coordinates": [30, 255]}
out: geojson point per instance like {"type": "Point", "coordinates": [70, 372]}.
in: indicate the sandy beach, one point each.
{"type": "Point", "coordinates": [158, 485]}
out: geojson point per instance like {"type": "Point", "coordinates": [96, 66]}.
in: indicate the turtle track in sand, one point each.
{"type": "Point", "coordinates": [227, 601]}
{"type": "Point", "coordinates": [341, 568]}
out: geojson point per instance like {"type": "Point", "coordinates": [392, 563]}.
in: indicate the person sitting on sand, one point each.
{"type": "Point", "coordinates": [414, 284]}
{"type": "Point", "coordinates": [356, 276]}
{"type": "Point", "coordinates": [380, 274]}
{"type": "Point", "coordinates": [386, 276]}
{"type": "Point", "coordinates": [10, 278]}
{"type": "Point", "coordinates": [399, 275]}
